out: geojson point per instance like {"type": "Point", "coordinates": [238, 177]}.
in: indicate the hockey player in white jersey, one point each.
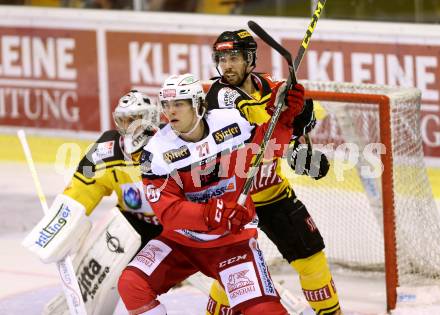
{"type": "Point", "coordinates": [193, 172]}
{"type": "Point", "coordinates": [111, 165]}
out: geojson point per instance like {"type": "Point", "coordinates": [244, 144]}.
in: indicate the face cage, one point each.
{"type": "Point", "coordinates": [149, 120]}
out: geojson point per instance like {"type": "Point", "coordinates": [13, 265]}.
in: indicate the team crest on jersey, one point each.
{"type": "Point", "coordinates": [175, 155]}
{"type": "Point", "coordinates": [152, 193]}
{"type": "Point", "coordinates": [103, 150]}
{"type": "Point", "coordinates": [226, 133]}
{"type": "Point", "coordinates": [132, 197]}
{"type": "Point", "coordinates": [226, 97]}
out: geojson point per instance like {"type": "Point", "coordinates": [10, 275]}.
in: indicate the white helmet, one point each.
{"type": "Point", "coordinates": [183, 87]}
{"type": "Point", "coordinates": [136, 118]}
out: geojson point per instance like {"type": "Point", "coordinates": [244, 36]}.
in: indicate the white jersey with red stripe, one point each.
{"type": "Point", "coordinates": [179, 176]}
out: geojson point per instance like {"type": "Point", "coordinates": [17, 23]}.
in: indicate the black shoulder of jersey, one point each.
{"type": "Point", "coordinates": [211, 96]}
{"type": "Point", "coordinates": [106, 149]}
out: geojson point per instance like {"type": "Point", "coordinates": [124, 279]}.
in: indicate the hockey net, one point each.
{"type": "Point", "coordinates": [372, 219]}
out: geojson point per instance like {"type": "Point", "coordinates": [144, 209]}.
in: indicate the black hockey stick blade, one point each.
{"type": "Point", "coordinates": [257, 29]}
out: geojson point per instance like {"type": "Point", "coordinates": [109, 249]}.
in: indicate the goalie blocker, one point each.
{"type": "Point", "coordinates": [98, 263]}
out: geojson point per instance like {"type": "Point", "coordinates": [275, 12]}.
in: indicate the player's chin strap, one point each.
{"type": "Point", "coordinates": [199, 119]}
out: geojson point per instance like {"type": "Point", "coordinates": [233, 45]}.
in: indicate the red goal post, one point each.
{"type": "Point", "coordinates": [383, 103]}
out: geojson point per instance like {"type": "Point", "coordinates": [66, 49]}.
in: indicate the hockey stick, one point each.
{"type": "Point", "coordinates": [259, 157]}
{"type": "Point", "coordinates": [305, 44]}
{"type": "Point", "coordinates": [293, 66]}
{"type": "Point", "coordinates": [66, 272]}
{"type": "Point", "coordinates": [273, 120]}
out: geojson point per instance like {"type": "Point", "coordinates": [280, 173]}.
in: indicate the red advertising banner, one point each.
{"type": "Point", "coordinates": [143, 61]}
{"type": "Point", "coordinates": [66, 71]}
{"type": "Point", "coordinates": [408, 65]}
{"type": "Point", "coordinates": [49, 79]}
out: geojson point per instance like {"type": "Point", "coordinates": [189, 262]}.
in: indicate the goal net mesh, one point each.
{"type": "Point", "coordinates": [347, 204]}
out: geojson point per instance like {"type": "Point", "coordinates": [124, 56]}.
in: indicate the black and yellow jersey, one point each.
{"type": "Point", "coordinates": [104, 169]}
{"type": "Point", "coordinates": [269, 185]}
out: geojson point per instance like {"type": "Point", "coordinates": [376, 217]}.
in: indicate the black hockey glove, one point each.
{"type": "Point", "coordinates": [305, 162]}
{"type": "Point", "coordinates": [305, 121]}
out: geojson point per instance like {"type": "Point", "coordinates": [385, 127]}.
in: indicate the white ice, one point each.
{"type": "Point", "coordinates": [27, 284]}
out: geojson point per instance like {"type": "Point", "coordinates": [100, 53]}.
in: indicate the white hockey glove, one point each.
{"type": "Point", "coordinates": [60, 232]}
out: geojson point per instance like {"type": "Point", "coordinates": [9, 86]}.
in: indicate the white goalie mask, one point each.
{"type": "Point", "coordinates": [136, 117]}
{"type": "Point", "coordinates": [183, 87]}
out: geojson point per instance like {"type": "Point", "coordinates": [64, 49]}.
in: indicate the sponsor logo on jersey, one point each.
{"type": "Point", "coordinates": [54, 226]}
{"type": "Point", "coordinates": [103, 150]}
{"type": "Point", "coordinates": [227, 97]}
{"type": "Point", "coordinates": [132, 197]}
{"type": "Point", "coordinates": [222, 187]}
{"type": "Point", "coordinates": [174, 155]}
{"type": "Point", "coordinates": [266, 176]}
{"type": "Point", "coordinates": [321, 294]}
{"type": "Point", "coordinates": [113, 243]}
{"type": "Point", "coordinates": [91, 275]}
{"type": "Point", "coordinates": [152, 193]}
{"type": "Point", "coordinates": [226, 133]}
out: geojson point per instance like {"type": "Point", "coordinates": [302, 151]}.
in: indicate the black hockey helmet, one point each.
{"type": "Point", "coordinates": [240, 40]}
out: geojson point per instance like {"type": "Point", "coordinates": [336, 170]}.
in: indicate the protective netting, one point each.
{"type": "Point", "coordinates": [347, 204]}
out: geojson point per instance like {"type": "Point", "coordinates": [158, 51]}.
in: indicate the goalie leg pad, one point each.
{"type": "Point", "coordinates": [290, 227]}
{"type": "Point", "coordinates": [60, 232]}
{"type": "Point", "coordinates": [98, 264]}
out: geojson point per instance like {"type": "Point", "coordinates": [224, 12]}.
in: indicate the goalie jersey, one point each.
{"type": "Point", "coordinates": [180, 176]}
{"type": "Point", "coordinates": [269, 185]}
{"type": "Point", "coordinates": [107, 168]}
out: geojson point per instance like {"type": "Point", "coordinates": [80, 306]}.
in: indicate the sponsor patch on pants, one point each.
{"type": "Point", "coordinates": [151, 256]}
{"type": "Point", "coordinates": [241, 283]}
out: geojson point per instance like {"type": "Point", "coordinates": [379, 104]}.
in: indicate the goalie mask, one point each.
{"type": "Point", "coordinates": [136, 118]}
{"type": "Point", "coordinates": [231, 42]}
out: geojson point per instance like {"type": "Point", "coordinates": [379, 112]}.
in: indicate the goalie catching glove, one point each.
{"type": "Point", "coordinates": [293, 102]}
{"type": "Point", "coordinates": [313, 163]}
{"type": "Point", "coordinates": [229, 216]}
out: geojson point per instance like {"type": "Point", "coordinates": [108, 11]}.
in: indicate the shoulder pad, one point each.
{"type": "Point", "coordinates": [106, 148]}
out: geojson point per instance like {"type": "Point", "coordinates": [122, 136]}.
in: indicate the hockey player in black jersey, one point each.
{"type": "Point", "coordinates": [283, 217]}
